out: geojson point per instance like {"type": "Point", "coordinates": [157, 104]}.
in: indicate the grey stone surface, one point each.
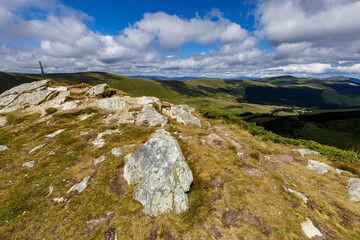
{"type": "Point", "coordinates": [146, 100]}
{"type": "Point", "coordinates": [34, 98]}
{"type": "Point", "coordinates": [301, 195]}
{"type": "Point", "coordinates": [99, 160]}
{"type": "Point", "coordinates": [150, 115]}
{"type": "Point", "coordinates": [116, 151]}
{"type": "Point", "coordinates": [215, 137]}
{"type": "Point", "coordinates": [70, 105]}
{"type": "Point", "coordinates": [309, 229]}
{"type": "Point", "coordinates": [304, 151]}
{"type": "Point", "coordinates": [354, 189]}
{"type": "Point", "coordinates": [36, 148]}
{"type": "Point", "coordinates": [7, 100]}
{"type": "Point", "coordinates": [59, 89]}
{"type": "Point", "coordinates": [3, 121]}
{"type": "Point", "coordinates": [114, 103]}
{"type": "Point", "coordinates": [98, 89]}
{"type": "Point", "coordinates": [319, 167]}
{"type": "Point", "coordinates": [81, 186]}
{"type": "Point", "coordinates": [183, 115]}
{"type": "Point", "coordinates": [3, 148]}
{"type": "Point", "coordinates": [30, 164]}
{"type": "Point", "coordinates": [161, 175]}
{"type": "Point", "coordinates": [54, 134]}
{"type": "Point", "coordinates": [100, 141]}
{"type": "Point", "coordinates": [26, 87]}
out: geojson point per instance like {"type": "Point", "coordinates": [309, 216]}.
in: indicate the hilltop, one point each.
{"type": "Point", "coordinates": [94, 162]}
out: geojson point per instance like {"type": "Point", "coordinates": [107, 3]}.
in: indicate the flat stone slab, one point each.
{"type": "Point", "coordinates": [7, 100]}
{"type": "Point", "coordinates": [114, 103]}
{"type": "Point", "coordinates": [37, 148]}
{"type": "Point", "coordinates": [160, 174]}
{"type": "Point", "coordinates": [299, 194]}
{"type": "Point", "coordinates": [81, 186]}
{"type": "Point", "coordinates": [34, 98]}
{"type": "Point", "coordinates": [54, 134]}
{"type": "Point", "coordinates": [99, 160]}
{"type": "Point", "coordinates": [354, 189]}
{"type": "Point", "coordinates": [26, 87]}
{"type": "Point", "coordinates": [319, 167]}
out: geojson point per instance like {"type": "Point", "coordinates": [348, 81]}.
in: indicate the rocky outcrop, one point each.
{"type": "Point", "coordinates": [150, 115]}
{"type": "Point", "coordinates": [354, 189]}
{"type": "Point", "coordinates": [7, 100]}
{"type": "Point", "coordinates": [26, 87]}
{"type": "Point", "coordinates": [320, 167]}
{"type": "Point", "coordinates": [161, 175]}
{"type": "Point", "coordinates": [34, 98]}
{"type": "Point", "coordinates": [97, 90]}
{"type": "Point", "coordinates": [114, 103]}
{"type": "Point", "coordinates": [147, 100]}
{"type": "Point", "coordinates": [182, 114]}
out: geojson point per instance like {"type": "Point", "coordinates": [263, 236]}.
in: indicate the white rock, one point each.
{"type": "Point", "coordinates": [86, 116]}
{"type": "Point", "coordinates": [114, 104]}
{"type": "Point", "coordinates": [36, 148]}
{"type": "Point", "coordinates": [59, 89]}
{"type": "Point", "coordinates": [116, 151]}
{"type": "Point", "coordinates": [150, 115]}
{"type": "Point", "coordinates": [70, 105]}
{"type": "Point", "coordinates": [100, 141]}
{"type": "Point", "coordinates": [51, 189]}
{"type": "Point", "coordinates": [99, 160]}
{"type": "Point", "coordinates": [5, 101]}
{"type": "Point", "coordinates": [26, 87]}
{"type": "Point", "coordinates": [319, 167]}
{"type": "Point", "coordinates": [34, 98]}
{"type": "Point", "coordinates": [183, 115]}
{"type": "Point", "coordinates": [59, 200]}
{"type": "Point", "coordinates": [3, 148]}
{"type": "Point", "coordinates": [146, 100]}
{"type": "Point", "coordinates": [304, 151]}
{"type": "Point", "coordinates": [309, 229]}
{"type": "Point", "coordinates": [301, 195]}
{"type": "Point", "coordinates": [215, 137]}
{"type": "Point", "coordinates": [81, 186]}
{"type": "Point", "coordinates": [29, 164]}
{"type": "Point", "coordinates": [55, 133]}
{"type": "Point", "coordinates": [98, 89]}
{"type": "Point", "coordinates": [354, 189]}
{"type": "Point", "coordinates": [161, 173]}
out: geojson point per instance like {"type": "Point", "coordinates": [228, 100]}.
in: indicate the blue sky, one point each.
{"type": "Point", "coordinates": [253, 38]}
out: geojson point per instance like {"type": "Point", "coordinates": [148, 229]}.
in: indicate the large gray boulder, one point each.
{"type": "Point", "coordinates": [150, 115]}
{"type": "Point", "coordinates": [319, 167]}
{"type": "Point", "coordinates": [97, 90]}
{"type": "Point", "coordinates": [114, 103]}
{"type": "Point", "coordinates": [26, 87]}
{"type": "Point", "coordinates": [146, 100]}
{"type": "Point", "coordinates": [354, 189]}
{"type": "Point", "coordinates": [161, 175]}
{"type": "Point", "coordinates": [309, 229]}
{"type": "Point", "coordinates": [182, 114]}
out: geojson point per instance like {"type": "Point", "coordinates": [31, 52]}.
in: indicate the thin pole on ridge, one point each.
{"type": "Point", "coordinates": [42, 70]}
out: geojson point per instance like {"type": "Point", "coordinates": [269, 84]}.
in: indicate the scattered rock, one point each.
{"type": "Point", "coordinates": [251, 171]}
{"type": "Point", "coordinates": [5, 101]}
{"type": "Point", "coordinates": [54, 134]}
{"type": "Point", "coordinates": [92, 224]}
{"type": "Point", "coordinates": [3, 148]}
{"type": "Point", "coordinates": [59, 200]}
{"type": "Point", "coordinates": [99, 160]}
{"type": "Point", "coordinates": [319, 167]}
{"type": "Point", "coordinates": [36, 148]}
{"type": "Point", "coordinates": [215, 137]}
{"type": "Point", "coordinates": [185, 138]}
{"type": "Point", "coordinates": [97, 90]}
{"type": "Point", "coordinates": [354, 189]}
{"type": "Point", "coordinates": [100, 141]}
{"type": "Point", "coordinates": [70, 105]}
{"type": "Point", "coordinates": [146, 100]}
{"type": "Point", "coordinates": [116, 151]}
{"type": "Point", "coordinates": [309, 229]}
{"type": "Point", "coordinates": [304, 151]}
{"type": "Point", "coordinates": [110, 234]}
{"type": "Point", "coordinates": [150, 115]}
{"type": "Point", "coordinates": [301, 195]}
{"type": "Point", "coordinates": [161, 173]}
{"type": "Point", "coordinates": [81, 186]}
{"type": "Point", "coordinates": [26, 87]}
{"type": "Point", "coordinates": [229, 218]}
{"type": "Point", "coordinates": [30, 164]}
{"type": "Point", "coordinates": [182, 114]}
{"type": "Point", "coordinates": [86, 116]}
{"type": "Point", "coordinates": [214, 232]}
{"type": "Point", "coordinates": [217, 182]}
{"type": "Point", "coordinates": [51, 189]}
{"type": "Point", "coordinates": [113, 104]}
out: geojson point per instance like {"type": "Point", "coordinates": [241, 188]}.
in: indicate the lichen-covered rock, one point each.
{"type": "Point", "coordinates": [161, 175]}
{"type": "Point", "coordinates": [319, 167]}
{"type": "Point", "coordinates": [309, 229]}
{"type": "Point", "coordinates": [81, 186]}
{"type": "Point", "coordinates": [182, 114]}
{"type": "Point", "coordinates": [97, 90]}
{"type": "Point", "coordinates": [114, 103]}
{"type": "Point", "coordinates": [7, 100]}
{"type": "Point", "coordinates": [146, 100]}
{"type": "Point", "coordinates": [70, 105]}
{"type": "Point", "coordinates": [26, 87]}
{"type": "Point", "coordinates": [99, 160]}
{"type": "Point", "coordinates": [116, 151]}
{"type": "Point", "coordinates": [34, 98]}
{"type": "Point", "coordinates": [150, 115]}
{"type": "Point", "coordinates": [354, 189]}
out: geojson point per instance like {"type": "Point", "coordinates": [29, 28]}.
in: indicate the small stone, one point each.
{"type": "Point", "coordinates": [304, 151]}
{"type": "Point", "coordinates": [55, 133]}
{"type": "Point", "coordinates": [59, 200]}
{"type": "Point", "coordinates": [116, 151]}
{"type": "Point", "coordinates": [81, 186]}
{"type": "Point", "coordinates": [3, 148]}
{"type": "Point", "coordinates": [30, 164]}
{"type": "Point", "coordinates": [354, 189]}
{"type": "Point", "coordinates": [3, 122]}
{"type": "Point", "coordinates": [100, 141]}
{"type": "Point", "coordinates": [99, 160]}
{"type": "Point", "coordinates": [51, 189]}
{"type": "Point", "coordinates": [309, 229]}
{"type": "Point", "coordinates": [301, 195]}
{"type": "Point", "coordinates": [36, 148]}
{"type": "Point", "coordinates": [86, 117]}
{"type": "Point", "coordinates": [215, 137]}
